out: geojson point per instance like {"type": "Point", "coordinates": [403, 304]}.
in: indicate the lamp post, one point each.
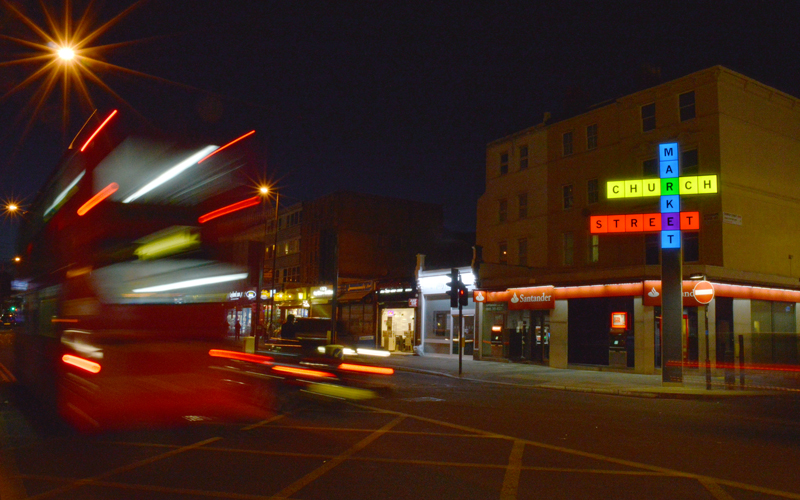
{"type": "Point", "coordinates": [263, 191]}
{"type": "Point", "coordinates": [274, 257]}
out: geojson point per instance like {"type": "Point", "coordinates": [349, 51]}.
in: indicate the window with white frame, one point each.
{"type": "Point", "coordinates": [569, 200]}
{"type": "Point", "coordinates": [522, 251]}
{"type": "Point", "coordinates": [523, 157]}
{"type": "Point", "coordinates": [649, 117]}
{"type": "Point", "coordinates": [594, 249]}
{"type": "Point", "coordinates": [592, 191]}
{"type": "Point", "coordinates": [569, 248]}
{"type": "Point", "coordinates": [503, 163]}
{"type": "Point", "coordinates": [567, 143]}
{"type": "Point", "coordinates": [523, 205]}
{"type": "Point", "coordinates": [591, 136]}
{"type": "Point", "coordinates": [502, 210]}
{"type": "Point", "coordinates": [686, 105]}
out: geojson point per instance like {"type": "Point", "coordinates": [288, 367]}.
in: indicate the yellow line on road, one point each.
{"type": "Point", "coordinates": [716, 490]}
{"type": "Point", "coordinates": [314, 475]}
{"type": "Point", "coordinates": [124, 468]}
{"type": "Point", "coordinates": [511, 479]}
{"type": "Point", "coordinates": [604, 458]}
{"type": "Point", "coordinates": [263, 422]}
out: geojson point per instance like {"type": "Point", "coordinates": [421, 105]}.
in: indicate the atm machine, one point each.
{"type": "Point", "coordinates": [617, 338]}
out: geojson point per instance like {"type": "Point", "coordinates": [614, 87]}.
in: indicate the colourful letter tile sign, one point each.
{"type": "Point", "coordinates": [669, 187]}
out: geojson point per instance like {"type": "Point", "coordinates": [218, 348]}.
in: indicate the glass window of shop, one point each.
{"type": "Point", "coordinates": [528, 334]}
{"type": "Point", "coordinates": [397, 329]}
{"type": "Point", "coordinates": [774, 339]}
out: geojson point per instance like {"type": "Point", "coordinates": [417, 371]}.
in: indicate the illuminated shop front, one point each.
{"type": "Point", "coordinates": [397, 303]}
{"type": "Point", "coordinates": [439, 324]}
{"type": "Point", "coordinates": [562, 326]}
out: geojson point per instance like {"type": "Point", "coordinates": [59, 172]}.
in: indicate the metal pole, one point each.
{"type": "Point", "coordinates": [671, 316]}
{"type": "Point", "coordinates": [708, 358]}
{"type": "Point", "coordinates": [274, 256]}
{"type": "Point", "coordinates": [257, 326]}
{"type": "Point", "coordinates": [460, 336]}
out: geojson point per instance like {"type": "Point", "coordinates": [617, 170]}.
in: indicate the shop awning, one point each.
{"type": "Point", "coordinates": [353, 296]}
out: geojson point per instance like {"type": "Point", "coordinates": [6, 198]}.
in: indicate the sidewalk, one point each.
{"type": "Point", "coordinates": [577, 380]}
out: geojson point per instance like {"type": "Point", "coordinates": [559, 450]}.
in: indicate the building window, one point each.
{"type": "Point", "coordinates": [523, 205]}
{"type": "Point", "coordinates": [650, 168]}
{"type": "Point", "coordinates": [591, 136]}
{"type": "Point", "coordinates": [691, 247]}
{"type": "Point", "coordinates": [686, 105]}
{"type": "Point", "coordinates": [523, 157]}
{"type": "Point", "coordinates": [502, 211]}
{"type": "Point", "coordinates": [569, 249]}
{"type": "Point", "coordinates": [503, 252]}
{"type": "Point", "coordinates": [567, 139]}
{"type": "Point", "coordinates": [592, 191]}
{"type": "Point", "coordinates": [522, 251]}
{"type": "Point", "coordinates": [689, 163]}
{"type": "Point", "coordinates": [291, 274]}
{"type": "Point", "coordinates": [568, 198]}
{"type": "Point", "coordinates": [594, 248]}
{"type": "Point", "coordinates": [440, 323]}
{"type": "Point", "coordinates": [503, 163]}
{"type": "Point", "coordinates": [649, 117]}
{"type": "Point", "coordinates": [652, 249]}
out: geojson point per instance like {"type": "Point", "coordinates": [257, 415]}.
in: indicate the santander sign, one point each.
{"type": "Point", "coordinates": [540, 297]}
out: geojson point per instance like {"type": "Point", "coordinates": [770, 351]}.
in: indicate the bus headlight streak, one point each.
{"type": "Point", "coordinates": [372, 352]}
{"type": "Point", "coordinates": [171, 173]}
{"type": "Point", "coordinates": [63, 194]}
{"type": "Point", "coordinates": [83, 364]}
{"type": "Point", "coordinates": [191, 283]}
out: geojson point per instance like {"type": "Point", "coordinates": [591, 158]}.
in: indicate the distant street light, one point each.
{"type": "Point", "coordinates": [66, 53]}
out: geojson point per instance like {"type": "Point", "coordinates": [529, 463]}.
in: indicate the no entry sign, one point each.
{"type": "Point", "coordinates": [703, 292]}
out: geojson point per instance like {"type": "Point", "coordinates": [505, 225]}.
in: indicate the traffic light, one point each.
{"type": "Point", "coordinates": [463, 298]}
{"type": "Point", "coordinates": [455, 279]}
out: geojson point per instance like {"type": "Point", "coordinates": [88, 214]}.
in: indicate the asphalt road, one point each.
{"type": "Point", "coordinates": [434, 437]}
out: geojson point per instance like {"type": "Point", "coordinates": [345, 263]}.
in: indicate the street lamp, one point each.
{"type": "Point", "coordinates": [264, 192]}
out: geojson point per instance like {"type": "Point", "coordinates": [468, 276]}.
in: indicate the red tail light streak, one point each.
{"type": "Point", "coordinates": [99, 129]}
{"type": "Point", "coordinates": [255, 200]}
{"type": "Point", "coordinates": [302, 372]}
{"type": "Point", "coordinates": [240, 356]}
{"type": "Point", "coordinates": [377, 370]}
{"type": "Point", "coordinates": [225, 146]}
{"type": "Point", "coordinates": [100, 196]}
{"type": "Point", "coordinates": [83, 364]}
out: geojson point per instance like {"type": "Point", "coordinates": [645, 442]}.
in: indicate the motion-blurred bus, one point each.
{"type": "Point", "coordinates": [127, 287]}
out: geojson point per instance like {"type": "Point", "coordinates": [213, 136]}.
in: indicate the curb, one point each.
{"type": "Point", "coordinates": [646, 394]}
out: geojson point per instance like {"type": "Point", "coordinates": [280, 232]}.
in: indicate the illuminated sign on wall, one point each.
{"type": "Point", "coordinates": [647, 223]}
{"type": "Point", "coordinates": [670, 187]}
{"type": "Point", "coordinates": [697, 184]}
{"type": "Point", "coordinates": [619, 320]}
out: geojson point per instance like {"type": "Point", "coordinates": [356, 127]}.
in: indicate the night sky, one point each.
{"type": "Point", "coordinates": [393, 98]}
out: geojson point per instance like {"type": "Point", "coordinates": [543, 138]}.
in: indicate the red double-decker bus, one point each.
{"type": "Point", "coordinates": [126, 293]}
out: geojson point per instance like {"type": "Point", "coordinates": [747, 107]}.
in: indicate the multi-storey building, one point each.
{"type": "Point", "coordinates": [544, 183]}
{"type": "Point", "coordinates": [348, 250]}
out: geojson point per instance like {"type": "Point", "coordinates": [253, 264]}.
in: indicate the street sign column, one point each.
{"type": "Point", "coordinates": [671, 268]}
{"type": "Point", "coordinates": [669, 222]}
